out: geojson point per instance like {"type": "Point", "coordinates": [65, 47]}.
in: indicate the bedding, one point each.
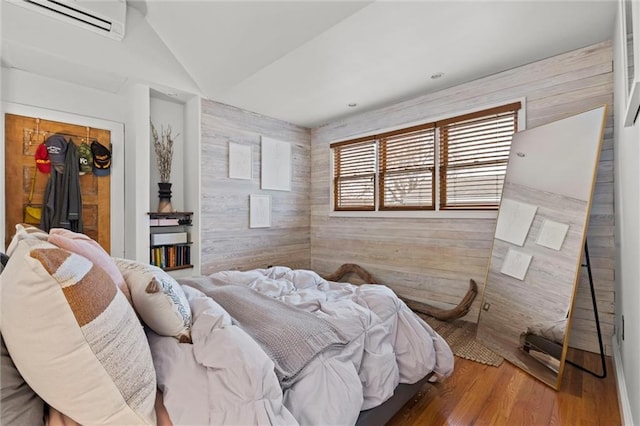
{"type": "Point", "coordinates": [544, 340]}
{"type": "Point", "coordinates": [226, 377]}
{"type": "Point", "coordinates": [222, 378]}
{"type": "Point", "coordinates": [291, 337]}
{"type": "Point", "coordinates": [552, 330]}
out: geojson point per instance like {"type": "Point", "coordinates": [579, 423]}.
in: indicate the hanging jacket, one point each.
{"type": "Point", "coordinates": [62, 206]}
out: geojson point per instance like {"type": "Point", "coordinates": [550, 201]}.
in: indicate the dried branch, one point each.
{"type": "Point", "coordinates": [163, 146]}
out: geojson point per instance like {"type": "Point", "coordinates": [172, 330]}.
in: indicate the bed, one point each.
{"type": "Point", "coordinates": [382, 344]}
{"type": "Point", "coordinates": [544, 342]}
{"type": "Point", "coordinates": [266, 346]}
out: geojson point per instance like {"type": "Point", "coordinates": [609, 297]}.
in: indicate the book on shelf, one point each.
{"type": "Point", "coordinates": [170, 256]}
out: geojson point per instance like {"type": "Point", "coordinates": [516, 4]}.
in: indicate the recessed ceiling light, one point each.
{"type": "Point", "coordinates": [437, 75]}
{"type": "Point", "coordinates": [172, 94]}
{"type": "Point", "coordinates": [352, 105]}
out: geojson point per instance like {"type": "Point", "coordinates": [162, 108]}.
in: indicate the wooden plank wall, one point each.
{"type": "Point", "coordinates": [432, 260]}
{"type": "Point", "coordinates": [227, 242]}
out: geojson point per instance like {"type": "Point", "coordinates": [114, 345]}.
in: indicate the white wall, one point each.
{"type": "Point", "coordinates": [137, 173]}
{"type": "Point", "coordinates": [48, 46]}
{"type": "Point", "coordinates": [627, 235]}
{"type": "Point", "coordinates": [192, 172]}
{"type": "Point", "coordinates": [163, 114]}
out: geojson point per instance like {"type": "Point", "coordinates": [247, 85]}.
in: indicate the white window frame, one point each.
{"type": "Point", "coordinates": [436, 213]}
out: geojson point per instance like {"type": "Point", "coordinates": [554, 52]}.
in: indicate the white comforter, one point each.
{"type": "Point", "coordinates": [224, 377]}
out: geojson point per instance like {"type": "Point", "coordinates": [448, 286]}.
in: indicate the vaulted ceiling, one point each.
{"type": "Point", "coordinates": [304, 62]}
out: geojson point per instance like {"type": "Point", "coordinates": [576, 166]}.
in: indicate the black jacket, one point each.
{"type": "Point", "coordinates": [62, 206]}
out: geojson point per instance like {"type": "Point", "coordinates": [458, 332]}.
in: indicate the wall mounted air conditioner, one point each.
{"type": "Point", "coordinates": [106, 17]}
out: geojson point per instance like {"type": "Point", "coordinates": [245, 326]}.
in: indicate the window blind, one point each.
{"type": "Point", "coordinates": [407, 169]}
{"type": "Point", "coordinates": [474, 150]}
{"type": "Point", "coordinates": [354, 174]}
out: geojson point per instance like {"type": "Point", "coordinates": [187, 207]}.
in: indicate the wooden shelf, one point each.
{"type": "Point", "coordinates": [175, 268]}
{"type": "Point", "coordinates": [170, 245]}
{"type": "Point", "coordinates": [174, 252]}
{"type": "Point", "coordinates": [168, 215]}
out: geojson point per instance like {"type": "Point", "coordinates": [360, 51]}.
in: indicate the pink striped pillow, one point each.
{"type": "Point", "coordinates": [84, 246]}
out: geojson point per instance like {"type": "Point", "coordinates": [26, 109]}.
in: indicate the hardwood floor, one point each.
{"type": "Point", "coordinates": [477, 394]}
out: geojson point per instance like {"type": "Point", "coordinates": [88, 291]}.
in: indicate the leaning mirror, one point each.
{"type": "Point", "coordinates": [538, 244]}
{"type": "Point", "coordinates": [629, 14]}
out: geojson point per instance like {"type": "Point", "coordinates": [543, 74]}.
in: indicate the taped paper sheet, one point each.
{"type": "Point", "coordinates": [516, 264]}
{"type": "Point", "coordinates": [552, 234]}
{"type": "Point", "coordinates": [276, 165]}
{"type": "Point", "coordinates": [259, 211]}
{"type": "Point", "coordinates": [240, 161]}
{"type": "Point", "coordinates": [514, 221]}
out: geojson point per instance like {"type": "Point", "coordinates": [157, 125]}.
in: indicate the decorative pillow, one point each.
{"type": "Point", "coordinates": [75, 338]}
{"type": "Point", "coordinates": [84, 246]}
{"type": "Point", "coordinates": [19, 404]}
{"type": "Point", "coordinates": [25, 231]}
{"type": "Point", "coordinates": [158, 299]}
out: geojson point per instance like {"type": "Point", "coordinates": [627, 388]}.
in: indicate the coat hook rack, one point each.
{"type": "Point", "coordinates": [31, 138]}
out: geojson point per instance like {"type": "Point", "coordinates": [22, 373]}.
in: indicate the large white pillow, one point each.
{"type": "Point", "coordinates": [24, 231]}
{"type": "Point", "coordinates": [158, 299]}
{"type": "Point", "coordinates": [74, 337]}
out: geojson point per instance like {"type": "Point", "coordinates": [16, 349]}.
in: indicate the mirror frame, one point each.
{"type": "Point", "coordinates": [554, 272]}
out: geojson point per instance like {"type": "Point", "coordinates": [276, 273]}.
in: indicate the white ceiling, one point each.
{"type": "Point", "coordinates": [304, 61]}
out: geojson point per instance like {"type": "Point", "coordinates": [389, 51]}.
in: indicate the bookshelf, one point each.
{"type": "Point", "coordinates": [170, 240]}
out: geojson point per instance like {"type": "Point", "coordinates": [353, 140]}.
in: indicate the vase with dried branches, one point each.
{"type": "Point", "coordinates": [163, 146]}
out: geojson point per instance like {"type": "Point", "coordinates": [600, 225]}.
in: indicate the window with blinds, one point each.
{"type": "Point", "coordinates": [474, 150]}
{"type": "Point", "coordinates": [407, 169]}
{"type": "Point", "coordinates": [354, 172]}
{"type": "Point", "coordinates": [453, 164]}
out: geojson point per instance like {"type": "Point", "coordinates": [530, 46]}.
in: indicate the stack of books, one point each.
{"type": "Point", "coordinates": [171, 256]}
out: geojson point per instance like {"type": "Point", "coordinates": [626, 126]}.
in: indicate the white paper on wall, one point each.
{"type": "Point", "coordinates": [239, 161]}
{"type": "Point", "coordinates": [514, 221]}
{"type": "Point", "coordinates": [276, 165]}
{"type": "Point", "coordinates": [516, 264]}
{"type": "Point", "coordinates": [552, 234]}
{"type": "Point", "coordinates": [259, 211]}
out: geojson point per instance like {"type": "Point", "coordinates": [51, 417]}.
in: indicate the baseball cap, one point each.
{"type": "Point", "coordinates": [42, 159]}
{"type": "Point", "coordinates": [101, 159]}
{"type": "Point", "coordinates": [85, 158]}
{"type": "Point", "coordinates": [57, 150]}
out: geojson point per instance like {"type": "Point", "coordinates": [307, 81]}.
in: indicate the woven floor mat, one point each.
{"type": "Point", "coordinates": [461, 337]}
